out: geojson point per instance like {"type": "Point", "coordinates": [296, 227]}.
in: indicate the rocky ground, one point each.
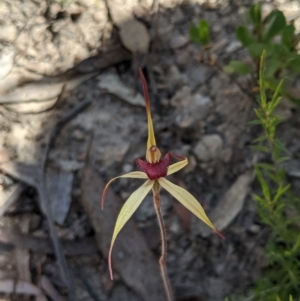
{"type": "Point", "coordinates": [72, 116]}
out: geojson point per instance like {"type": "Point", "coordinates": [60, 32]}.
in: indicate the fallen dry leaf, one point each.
{"type": "Point", "coordinates": [230, 205]}
{"type": "Point", "coordinates": [111, 83]}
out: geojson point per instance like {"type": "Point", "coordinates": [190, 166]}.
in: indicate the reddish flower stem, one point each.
{"type": "Point", "coordinates": [162, 260]}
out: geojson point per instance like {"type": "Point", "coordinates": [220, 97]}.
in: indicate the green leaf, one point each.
{"type": "Point", "coordinates": [287, 36]}
{"type": "Point", "coordinates": [260, 148]}
{"type": "Point", "coordinates": [281, 146]}
{"type": "Point", "coordinates": [263, 184]}
{"type": "Point", "coordinates": [254, 122]}
{"type": "Point", "coordinates": [255, 49]}
{"type": "Point", "coordinates": [204, 32]}
{"type": "Point", "coordinates": [272, 67]}
{"type": "Point", "coordinates": [294, 63]}
{"type": "Point", "coordinates": [259, 139]}
{"type": "Point", "coordinates": [275, 98]}
{"type": "Point", "coordinates": [245, 36]}
{"type": "Point", "coordinates": [238, 67]}
{"type": "Point", "coordinates": [283, 159]}
{"type": "Point", "coordinates": [200, 34]}
{"type": "Point", "coordinates": [259, 200]}
{"type": "Point", "coordinates": [266, 166]}
{"type": "Point", "coordinates": [280, 192]}
{"type": "Point", "coordinates": [255, 14]}
{"type": "Point", "coordinates": [275, 24]}
{"type": "Point", "coordinates": [194, 35]}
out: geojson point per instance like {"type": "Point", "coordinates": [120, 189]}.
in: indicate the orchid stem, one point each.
{"type": "Point", "coordinates": [162, 260]}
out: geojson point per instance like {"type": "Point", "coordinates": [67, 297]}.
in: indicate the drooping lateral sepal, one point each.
{"type": "Point", "coordinates": [129, 207]}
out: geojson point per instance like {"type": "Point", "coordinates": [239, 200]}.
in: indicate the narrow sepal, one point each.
{"type": "Point", "coordinates": [151, 138]}
{"type": "Point", "coordinates": [130, 206]}
{"type": "Point", "coordinates": [187, 200]}
{"type": "Point", "coordinates": [134, 174]}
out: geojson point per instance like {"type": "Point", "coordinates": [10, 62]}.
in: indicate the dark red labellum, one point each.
{"type": "Point", "coordinates": [155, 170]}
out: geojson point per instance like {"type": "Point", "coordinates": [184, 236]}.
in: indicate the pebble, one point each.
{"type": "Point", "coordinates": [255, 229]}
{"type": "Point", "coordinates": [208, 148]}
{"type": "Point", "coordinates": [197, 110]}
{"type": "Point", "coordinates": [233, 46]}
{"type": "Point", "coordinates": [191, 165]}
{"type": "Point", "coordinates": [127, 167]}
{"type": "Point", "coordinates": [182, 97]}
{"type": "Point", "coordinates": [199, 75]}
{"type": "Point", "coordinates": [78, 135]}
{"type": "Point", "coordinates": [226, 154]}
{"type": "Point", "coordinates": [174, 78]}
{"type": "Point", "coordinates": [178, 40]}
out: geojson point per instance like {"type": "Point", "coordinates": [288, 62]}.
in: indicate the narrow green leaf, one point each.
{"type": "Point", "coordinates": [259, 200]}
{"type": "Point", "coordinates": [275, 98]}
{"type": "Point", "coordinates": [244, 36]}
{"type": "Point", "coordinates": [283, 159]}
{"type": "Point", "coordinates": [275, 24]}
{"type": "Point", "coordinates": [260, 148]}
{"type": "Point", "coordinates": [281, 146]}
{"type": "Point", "coordinates": [263, 184]}
{"type": "Point", "coordinates": [259, 139]}
{"type": "Point", "coordinates": [266, 166]}
{"type": "Point", "coordinates": [280, 192]}
{"type": "Point", "coordinates": [254, 122]}
{"type": "Point", "coordinates": [238, 67]}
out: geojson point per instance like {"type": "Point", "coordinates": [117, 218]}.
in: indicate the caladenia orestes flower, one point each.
{"type": "Point", "coordinates": [155, 170]}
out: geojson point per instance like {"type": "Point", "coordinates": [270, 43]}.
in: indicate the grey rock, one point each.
{"type": "Point", "coordinates": [178, 40]}
{"type": "Point", "coordinates": [174, 78]}
{"type": "Point", "coordinates": [199, 75]}
{"type": "Point", "coordinates": [198, 109]}
{"type": "Point", "coordinates": [233, 46]}
{"type": "Point", "coordinates": [208, 148]}
{"type": "Point", "coordinates": [6, 60]}
{"type": "Point", "coordinates": [226, 155]}
{"type": "Point", "coordinates": [182, 97]}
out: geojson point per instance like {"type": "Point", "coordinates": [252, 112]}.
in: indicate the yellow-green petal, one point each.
{"type": "Point", "coordinates": [130, 206]}
{"type": "Point", "coordinates": [133, 174]}
{"type": "Point", "coordinates": [177, 166]}
{"type": "Point", "coordinates": [187, 200]}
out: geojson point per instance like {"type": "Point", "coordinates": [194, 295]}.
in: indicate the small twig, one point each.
{"type": "Point", "coordinates": [162, 260]}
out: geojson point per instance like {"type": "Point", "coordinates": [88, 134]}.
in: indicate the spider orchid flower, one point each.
{"type": "Point", "coordinates": [154, 170]}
